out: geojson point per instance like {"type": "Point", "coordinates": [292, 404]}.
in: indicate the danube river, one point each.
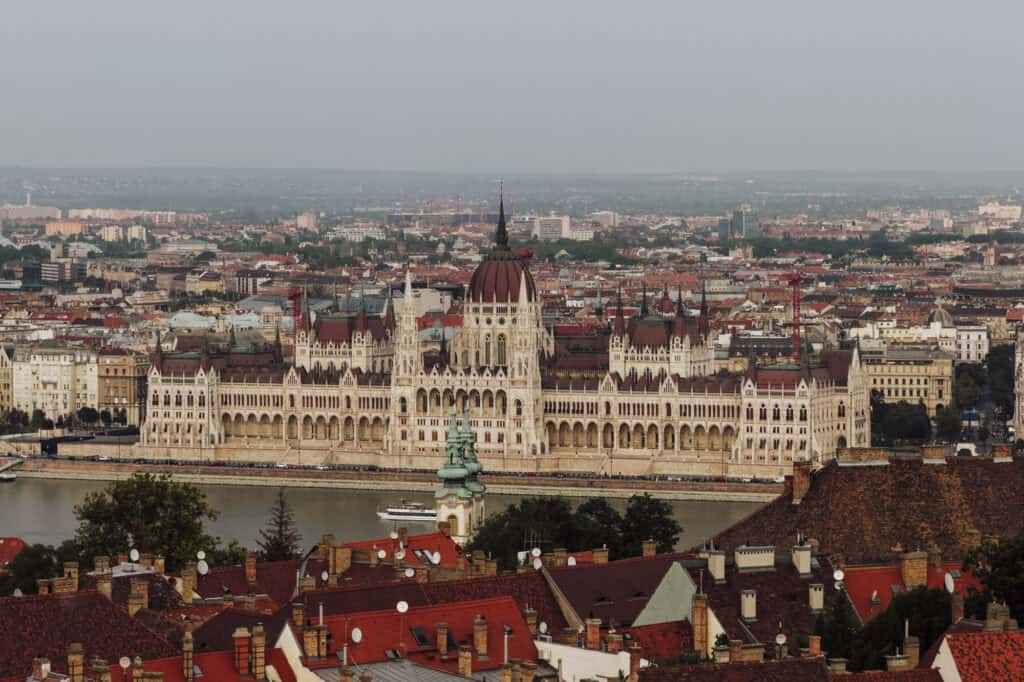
{"type": "Point", "coordinates": [42, 510]}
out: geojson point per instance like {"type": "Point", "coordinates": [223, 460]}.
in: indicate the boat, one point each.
{"type": "Point", "coordinates": [408, 511]}
{"type": "Point", "coordinates": [8, 477]}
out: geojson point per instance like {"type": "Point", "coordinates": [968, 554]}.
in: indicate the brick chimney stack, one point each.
{"type": "Point", "coordinates": [40, 668]}
{"type": "Point", "coordinates": [593, 633]}
{"type": "Point", "coordinates": [466, 661]}
{"type": "Point", "coordinates": [100, 670]}
{"type": "Point", "coordinates": [699, 620]}
{"type": "Point", "coordinates": [613, 642]}
{"type": "Point", "coordinates": [600, 555]}
{"type": "Point", "coordinates": [188, 648]}
{"type": "Point", "coordinates": [442, 639]}
{"type": "Point", "coordinates": [530, 617]}
{"type": "Point", "coordinates": [529, 671]}
{"type": "Point", "coordinates": [914, 569]}
{"type": "Point", "coordinates": [298, 614]}
{"type": "Point", "coordinates": [480, 635]}
{"type": "Point", "coordinates": [258, 644]}
{"type": "Point", "coordinates": [241, 637]}
{"type": "Point", "coordinates": [635, 656]}
{"type": "Point", "coordinates": [649, 547]}
{"type": "Point", "coordinates": [814, 645]}
{"type": "Point", "coordinates": [735, 650]}
{"type": "Point", "coordinates": [137, 669]}
{"type": "Point", "coordinates": [76, 662]}
{"type": "Point", "coordinates": [250, 568]}
{"type": "Point", "coordinates": [188, 582]}
{"type": "Point", "coordinates": [105, 584]}
{"type": "Point", "coordinates": [101, 564]}
{"type": "Point", "coordinates": [912, 649]}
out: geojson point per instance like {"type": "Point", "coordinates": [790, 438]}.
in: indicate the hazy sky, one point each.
{"type": "Point", "coordinates": [556, 85]}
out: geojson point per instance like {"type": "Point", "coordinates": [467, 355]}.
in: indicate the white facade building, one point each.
{"type": "Point", "coordinates": [58, 381]}
{"type": "Point", "coordinates": [551, 228]}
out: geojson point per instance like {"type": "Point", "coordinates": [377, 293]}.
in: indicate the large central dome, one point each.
{"type": "Point", "coordinates": [499, 276]}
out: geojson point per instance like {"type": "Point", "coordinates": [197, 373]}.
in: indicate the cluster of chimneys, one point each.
{"type": "Point", "coordinates": [99, 670]}
{"type": "Point", "coordinates": [249, 653]}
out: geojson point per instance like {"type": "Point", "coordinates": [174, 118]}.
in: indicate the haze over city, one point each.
{"type": "Point", "coordinates": [571, 86]}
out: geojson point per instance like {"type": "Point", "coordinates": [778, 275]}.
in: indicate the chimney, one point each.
{"type": "Point", "coordinates": [635, 657]}
{"type": "Point", "coordinates": [40, 668]}
{"type": "Point", "coordinates": [530, 618]}
{"type": "Point", "coordinates": [997, 617]}
{"type": "Point", "coordinates": [914, 569]}
{"type": "Point", "coordinates": [748, 605]}
{"type": "Point", "coordinates": [374, 559]}
{"type": "Point", "coordinates": [912, 649]}
{"type": "Point", "coordinates": [491, 567]}
{"type": "Point", "coordinates": [735, 650]}
{"type": "Point", "coordinates": [466, 661]}
{"type": "Point", "coordinates": [814, 645]}
{"type": "Point", "coordinates": [323, 550]}
{"type": "Point", "coordinates": [817, 597]}
{"type": "Point", "coordinates": [246, 602]}
{"type": "Point", "coordinates": [146, 560]}
{"type": "Point", "coordinates": [699, 620]}
{"type": "Point", "coordinates": [802, 560]}
{"type": "Point", "coordinates": [346, 675]}
{"type": "Point", "coordinates": [43, 585]}
{"type": "Point", "coordinates": [342, 559]}
{"type": "Point", "coordinates": [332, 579]}
{"type": "Point", "coordinates": [307, 584]}
{"type": "Point", "coordinates": [250, 568]}
{"type": "Point", "coordinates": [241, 639]}
{"type": "Point", "coordinates": [897, 662]}
{"type": "Point", "coordinates": [957, 607]}
{"type": "Point", "coordinates": [135, 603]}
{"type": "Point", "coordinates": [716, 565]}
{"type": "Point", "coordinates": [480, 635]}
{"type": "Point", "coordinates": [506, 672]}
{"type": "Point", "coordinates": [137, 669]}
{"type": "Point", "coordinates": [105, 584]}
{"type": "Point", "coordinates": [309, 641]}
{"type": "Point", "coordinates": [158, 565]}
{"type": "Point", "coordinates": [650, 547]}
{"type": "Point", "coordinates": [122, 558]}
{"type": "Point", "coordinates": [561, 556]}
{"type": "Point", "coordinates": [593, 634]}
{"type": "Point", "coordinates": [321, 640]}
{"type": "Point", "coordinates": [188, 649]}
{"type": "Point", "coordinates": [259, 652]}
{"type": "Point", "coordinates": [298, 614]}
{"type": "Point", "coordinates": [529, 671]}
{"type": "Point", "coordinates": [442, 639]}
{"type": "Point", "coordinates": [188, 582]}
{"type": "Point", "coordinates": [613, 642]}
{"type": "Point", "coordinates": [62, 585]}
{"type": "Point", "coordinates": [569, 636]}
{"type": "Point", "coordinates": [837, 666]}
{"type": "Point", "coordinates": [140, 586]}
{"type": "Point", "coordinates": [600, 555]}
{"type": "Point", "coordinates": [76, 662]}
{"type": "Point", "coordinates": [801, 480]}
{"type": "Point", "coordinates": [101, 564]}
{"type": "Point", "coordinates": [100, 670]}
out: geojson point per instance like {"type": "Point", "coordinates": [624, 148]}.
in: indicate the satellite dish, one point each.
{"type": "Point", "coordinates": [402, 606]}
{"type": "Point", "coordinates": [571, 561]}
{"type": "Point", "coordinates": [357, 635]}
{"type": "Point", "coordinates": [200, 555]}
{"type": "Point", "coordinates": [400, 554]}
{"type": "Point", "coordinates": [543, 628]}
{"type": "Point", "coordinates": [393, 535]}
{"type": "Point", "coordinates": [203, 568]}
{"type": "Point", "coordinates": [133, 555]}
{"type": "Point", "coordinates": [535, 551]}
{"type": "Point", "coordinates": [324, 576]}
{"type": "Point", "coordinates": [780, 639]}
{"type": "Point", "coordinates": [381, 554]}
{"type": "Point", "coordinates": [950, 585]}
{"type": "Point", "coordinates": [436, 557]}
{"type": "Point", "coordinates": [410, 572]}
{"type": "Point", "coordinates": [838, 575]}
{"type": "Point", "coordinates": [537, 563]}
{"type": "Point", "coordinates": [125, 662]}
{"type": "Point", "coordinates": [17, 592]}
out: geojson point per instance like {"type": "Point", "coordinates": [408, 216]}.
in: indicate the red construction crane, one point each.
{"type": "Point", "coordinates": [795, 279]}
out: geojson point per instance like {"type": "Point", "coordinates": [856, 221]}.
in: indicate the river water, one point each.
{"type": "Point", "coordinates": [42, 510]}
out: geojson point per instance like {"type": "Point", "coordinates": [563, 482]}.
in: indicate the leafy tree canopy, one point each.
{"type": "Point", "coordinates": [999, 565]}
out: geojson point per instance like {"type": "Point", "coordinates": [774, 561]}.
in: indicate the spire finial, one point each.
{"type": "Point", "coordinates": [643, 301]}
{"type": "Point", "coordinates": [501, 235]}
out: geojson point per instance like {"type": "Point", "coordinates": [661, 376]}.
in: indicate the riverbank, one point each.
{"type": "Point", "coordinates": [402, 481]}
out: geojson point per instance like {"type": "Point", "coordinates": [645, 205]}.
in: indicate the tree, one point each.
{"type": "Point", "coordinates": [37, 420]}
{"type": "Point", "coordinates": [32, 562]}
{"type": "Point", "coordinates": [106, 417]}
{"type": "Point", "coordinates": [648, 518]}
{"type": "Point", "coordinates": [598, 524]}
{"type": "Point", "coordinates": [88, 415]}
{"type": "Point", "coordinates": [947, 423]}
{"type": "Point", "coordinates": [544, 522]}
{"type": "Point", "coordinates": [926, 613]}
{"type": "Point", "coordinates": [1000, 371]}
{"type": "Point", "coordinates": [280, 540]}
{"type": "Point", "coordinates": [999, 565]}
{"type": "Point", "coordinates": [837, 626]}
{"type": "Point", "coordinates": [153, 514]}
{"type": "Point", "coordinates": [966, 391]}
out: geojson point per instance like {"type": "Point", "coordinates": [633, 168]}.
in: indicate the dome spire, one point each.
{"type": "Point", "coordinates": [501, 235]}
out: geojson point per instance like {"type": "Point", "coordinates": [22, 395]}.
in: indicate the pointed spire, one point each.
{"type": "Point", "coordinates": [643, 302]}
{"type": "Point", "coordinates": [680, 311]}
{"type": "Point", "coordinates": [389, 311]}
{"type": "Point", "coordinates": [443, 350]}
{"type": "Point", "coordinates": [620, 319]}
{"type": "Point", "coordinates": [599, 306]}
{"type": "Point", "coordinates": [703, 322]}
{"type": "Point", "coordinates": [159, 346]}
{"type": "Point", "coordinates": [501, 235]}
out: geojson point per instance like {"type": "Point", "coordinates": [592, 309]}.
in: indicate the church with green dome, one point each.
{"type": "Point", "coordinates": [459, 500]}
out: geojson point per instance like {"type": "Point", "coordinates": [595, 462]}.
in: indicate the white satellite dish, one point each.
{"type": "Point", "coordinates": [410, 572]}
{"type": "Point", "coordinates": [537, 563]}
{"type": "Point", "coordinates": [324, 576]}
{"type": "Point", "coordinates": [381, 554]}
{"type": "Point", "coordinates": [543, 628]}
{"type": "Point", "coordinates": [393, 535]}
{"type": "Point", "coordinates": [133, 555]}
{"type": "Point", "coordinates": [780, 639]}
{"type": "Point", "coordinates": [535, 551]}
{"type": "Point", "coordinates": [357, 635]}
{"type": "Point", "coordinates": [203, 568]}
{"type": "Point", "coordinates": [402, 606]}
{"type": "Point", "coordinates": [838, 575]}
{"type": "Point", "coordinates": [436, 558]}
{"type": "Point", "coordinates": [200, 555]}
{"type": "Point", "coordinates": [400, 554]}
{"type": "Point", "coordinates": [950, 584]}
{"type": "Point", "coordinates": [571, 561]}
{"type": "Point", "coordinates": [17, 592]}
{"type": "Point", "coordinates": [125, 662]}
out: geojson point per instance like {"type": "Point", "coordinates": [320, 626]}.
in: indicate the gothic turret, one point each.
{"type": "Point", "coordinates": [620, 318]}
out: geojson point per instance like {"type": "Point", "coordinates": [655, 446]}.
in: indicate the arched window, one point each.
{"type": "Point", "coordinates": [842, 410]}
{"type": "Point", "coordinates": [401, 405]}
{"type": "Point", "coordinates": [775, 413]}
{"type": "Point", "coordinates": [750, 412]}
{"type": "Point", "coordinates": [789, 413]}
{"type": "Point", "coordinates": [763, 413]}
{"type": "Point", "coordinates": [487, 351]}
{"type": "Point", "coordinates": [519, 408]}
{"type": "Point", "coordinates": [501, 350]}
{"type": "Point", "coordinates": [202, 400]}
{"type": "Point", "coordinates": [803, 415]}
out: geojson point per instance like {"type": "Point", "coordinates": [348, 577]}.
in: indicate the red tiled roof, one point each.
{"type": "Point", "coordinates": [916, 675]}
{"type": "Point", "coordinates": [428, 542]}
{"type": "Point", "coordinates": [44, 625]}
{"type": "Point", "coordinates": [986, 656]}
{"type": "Point", "coordinates": [787, 670]}
{"type": "Point", "coordinates": [384, 630]}
{"type": "Point", "coordinates": [863, 581]}
{"type": "Point", "coordinates": [528, 589]}
{"type": "Point", "coordinates": [663, 641]}
{"type": "Point", "coordinates": [218, 666]}
{"type": "Point", "coordinates": [276, 579]}
{"type": "Point", "coordinates": [9, 548]}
